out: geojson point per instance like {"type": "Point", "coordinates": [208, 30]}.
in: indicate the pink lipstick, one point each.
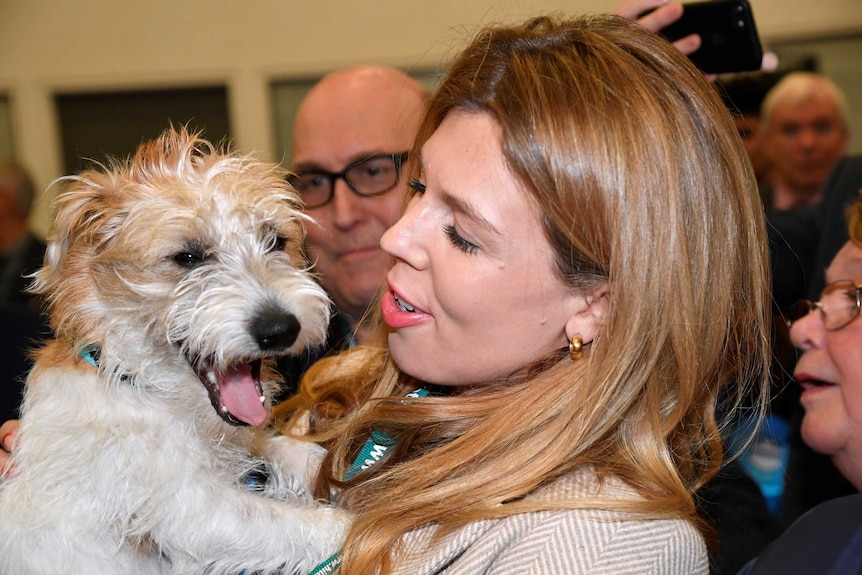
{"type": "Point", "coordinates": [398, 314]}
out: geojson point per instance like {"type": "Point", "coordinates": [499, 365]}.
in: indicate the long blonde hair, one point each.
{"type": "Point", "coordinates": [643, 184]}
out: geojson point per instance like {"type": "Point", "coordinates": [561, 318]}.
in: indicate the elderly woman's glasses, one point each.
{"type": "Point", "coordinates": [368, 177]}
{"type": "Point", "coordinates": [839, 304]}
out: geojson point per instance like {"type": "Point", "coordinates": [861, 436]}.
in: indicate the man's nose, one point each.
{"type": "Point", "coordinates": [346, 205]}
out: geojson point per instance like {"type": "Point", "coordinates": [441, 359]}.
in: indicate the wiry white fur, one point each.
{"type": "Point", "coordinates": [127, 468]}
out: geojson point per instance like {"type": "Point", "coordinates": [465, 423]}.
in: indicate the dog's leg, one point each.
{"type": "Point", "coordinates": [292, 466]}
{"type": "Point", "coordinates": [222, 531]}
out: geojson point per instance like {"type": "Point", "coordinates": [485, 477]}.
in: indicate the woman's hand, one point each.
{"type": "Point", "coordinates": [7, 439]}
{"type": "Point", "coordinates": [663, 14]}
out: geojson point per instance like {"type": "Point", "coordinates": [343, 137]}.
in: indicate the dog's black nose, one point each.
{"type": "Point", "coordinates": [275, 330]}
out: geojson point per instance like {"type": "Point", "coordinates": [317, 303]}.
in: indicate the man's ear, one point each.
{"type": "Point", "coordinates": [588, 313]}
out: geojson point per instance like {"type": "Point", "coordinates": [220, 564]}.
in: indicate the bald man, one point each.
{"type": "Point", "coordinates": [352, 133]}
{"type": "Point", "coordinates": [351, 137]}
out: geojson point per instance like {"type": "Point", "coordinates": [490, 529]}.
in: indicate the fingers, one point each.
{"type": "Point", "coordinates": [632, 9]}
{"type": "Point", "coordinates": [688, 44]}
{"type": "Point", "coordinates": [661, 17]}
{"type": "Point", "coordinates": [7, 439]}
{"type": "Point", "coordinates": [7, 434]}
{"type": "Point", "coordinates": [665, 13]}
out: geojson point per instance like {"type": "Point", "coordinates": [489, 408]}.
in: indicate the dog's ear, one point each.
{"type": "Point", "coordinates": [83, 213]}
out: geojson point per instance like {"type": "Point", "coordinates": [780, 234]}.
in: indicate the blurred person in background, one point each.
{"type": "Point", "coordinates": [21, 250]}
{"type": "Point", "coordinates": [743, 94]}
{"type": "Point", "coordinates": [805, 131]}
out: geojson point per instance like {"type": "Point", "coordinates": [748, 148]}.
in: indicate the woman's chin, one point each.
{"type": "Point", "coordinates": [822, 431]}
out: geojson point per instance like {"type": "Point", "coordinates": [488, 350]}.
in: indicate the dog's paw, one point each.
{"type": "Point", "coordinates": [293, 464]}
{"type": "Point", "coordinates": [326, 536]}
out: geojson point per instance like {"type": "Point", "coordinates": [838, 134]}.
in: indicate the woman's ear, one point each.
{"type": "Point", "coordinates": [588, 313]}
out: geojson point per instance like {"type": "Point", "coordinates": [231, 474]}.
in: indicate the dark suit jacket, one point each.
{"type": "Point", "coordinates": [825, 541]}
{"type": "Point", "coordinates": [803, 241]}
{"type": "Point", "coordinates": [841, 189]}
{"type": "Point", "coordinates": [23, 330]}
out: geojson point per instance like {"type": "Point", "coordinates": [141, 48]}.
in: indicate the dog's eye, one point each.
{"type": "Point", "coordinates": [279, 243]}
{"type": "Point", "coordinates": [188, 259]}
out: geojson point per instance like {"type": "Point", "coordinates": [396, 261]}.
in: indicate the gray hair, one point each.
{"type": "Point", "coordinates": [798, 86]}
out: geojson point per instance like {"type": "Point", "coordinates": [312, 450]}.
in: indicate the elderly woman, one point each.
{"type": "Point", "coordinates": [829, 538]}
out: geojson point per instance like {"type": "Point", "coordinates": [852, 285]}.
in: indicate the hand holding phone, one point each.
{"type": "Point", "coordinates": [729, 40]}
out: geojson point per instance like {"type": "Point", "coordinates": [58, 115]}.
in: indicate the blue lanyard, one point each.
{"type": "Point", "coordinates": [376, 445]}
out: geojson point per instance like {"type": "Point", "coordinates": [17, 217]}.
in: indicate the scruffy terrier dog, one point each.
{"type": "Point", "coordinates": [172, 279]}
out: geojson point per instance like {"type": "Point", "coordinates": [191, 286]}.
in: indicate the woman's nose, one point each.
{"type": "Point", "coordinates": [404, 239]}
{"type": "Point", "coordinates": [808, 331]}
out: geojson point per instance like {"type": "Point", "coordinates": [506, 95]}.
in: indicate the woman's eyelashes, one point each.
{"type": "Point", "coordinates": [458, 241]}
{"type": "Point", "coordinates": [416, 186]}
{"type": "Point", "coordinates": [466, 246]}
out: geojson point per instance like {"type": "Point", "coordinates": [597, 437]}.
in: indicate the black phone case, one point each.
{"type": "Point", "coordinates": [729, 36]}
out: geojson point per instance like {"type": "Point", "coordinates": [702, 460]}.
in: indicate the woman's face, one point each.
{"type": "Point", "coordinates": [830, 373]}
{"type": "Point", "coordinates": [473, 295]}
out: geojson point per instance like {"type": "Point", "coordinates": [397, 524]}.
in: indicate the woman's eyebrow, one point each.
{"type": "Point", "coordinates": [466, 208]}
{"type": "Point", "coordinates": [459, 205]}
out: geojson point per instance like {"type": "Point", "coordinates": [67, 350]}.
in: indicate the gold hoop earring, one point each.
{"type": "Point", "coordinates": [576, 347]}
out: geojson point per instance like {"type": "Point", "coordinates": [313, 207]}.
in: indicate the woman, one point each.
{"type": "Point", "coordinates": [828, 369]}
{"type": "Point", "coordinates": [579, 275]}
{"type": "Point", "coordinates": [828, 539]}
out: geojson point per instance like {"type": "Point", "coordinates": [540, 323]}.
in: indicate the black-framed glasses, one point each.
{"type": "Point", "coordinates": [368, 177]}
{"type": "Point", "coordinates": [839, 304]}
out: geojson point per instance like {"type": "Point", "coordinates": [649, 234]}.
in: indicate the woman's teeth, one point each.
{"type": "Point", "coordinates": [403, 306]}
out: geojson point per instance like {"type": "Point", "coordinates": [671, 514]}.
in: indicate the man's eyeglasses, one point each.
{"type": "Point", "coordinates": [368, 177]}
{"type": "Point", "coordinates": [839, 304]}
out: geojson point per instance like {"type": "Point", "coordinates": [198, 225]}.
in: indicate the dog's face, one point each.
{"type": "Point", "coordinates": [188, 257]}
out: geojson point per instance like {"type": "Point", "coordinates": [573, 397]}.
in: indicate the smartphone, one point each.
{"type": "Point", "coordinates": [729, 37]}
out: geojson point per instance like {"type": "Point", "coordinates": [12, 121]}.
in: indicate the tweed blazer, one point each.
{"type": "Point", "coordinates": [561, 542]}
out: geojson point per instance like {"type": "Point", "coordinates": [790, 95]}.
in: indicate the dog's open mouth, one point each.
{"type": "Point", "coordinates": [234, 390]}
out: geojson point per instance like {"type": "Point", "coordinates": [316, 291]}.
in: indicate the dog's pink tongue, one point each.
{"type": "Point", "coordinates": [240, 395]}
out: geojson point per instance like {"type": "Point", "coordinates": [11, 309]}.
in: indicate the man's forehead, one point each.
{"type": "Point", "coordinates": [816, 103]}
{"type": "Point", "coordinates": [354, 119]}
{"type": "Point", "coordinates": [355, 113]}
{"type": "Point", "coordinates": [345, 135]}
{"type": "Point", "coordinates": [360, 96]}
{"type": "Point", "coordinates": [345, 140]}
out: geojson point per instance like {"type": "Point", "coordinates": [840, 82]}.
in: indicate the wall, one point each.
{"type": "Point", "coordinates": [50, 46]}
